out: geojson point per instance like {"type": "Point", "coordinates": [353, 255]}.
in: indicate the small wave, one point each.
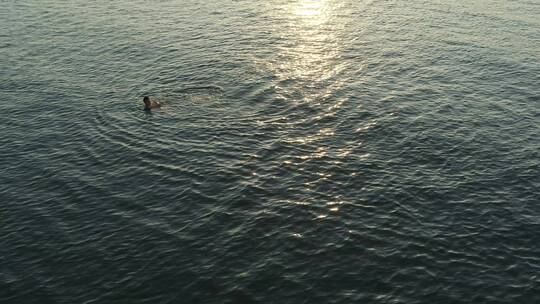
{"type": "Point", "coordinates": [210, 88]}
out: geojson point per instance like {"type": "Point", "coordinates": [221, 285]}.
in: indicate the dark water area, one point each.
{"type": "Point", "coordinates": [306, 151]}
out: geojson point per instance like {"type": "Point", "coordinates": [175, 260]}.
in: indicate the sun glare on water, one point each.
{"type": "Point", "coordinates": [313, 43]}
{"type": "Point", "coordinates": [312, 11]}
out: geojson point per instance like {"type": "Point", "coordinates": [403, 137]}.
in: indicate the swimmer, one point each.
{"type": "Point", "coordinates": [148, 105]}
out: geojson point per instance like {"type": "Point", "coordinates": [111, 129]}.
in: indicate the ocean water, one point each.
{"type": "Point", "coordinates": [306, 152]}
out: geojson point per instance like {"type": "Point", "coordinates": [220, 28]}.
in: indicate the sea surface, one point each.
{"type": "Point", "coordinates": [307, 151]}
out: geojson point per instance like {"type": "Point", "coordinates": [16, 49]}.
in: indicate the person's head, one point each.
{"type": "Point", "coordinates": [146, 101]}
